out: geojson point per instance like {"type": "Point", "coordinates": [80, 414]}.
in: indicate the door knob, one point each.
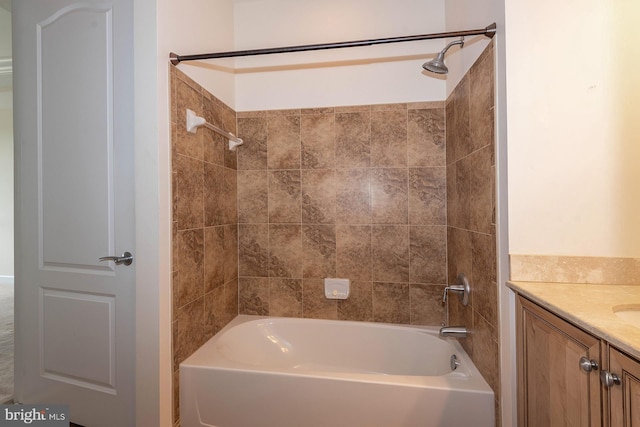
{"type": "Point", "coordinates": [125, 259]}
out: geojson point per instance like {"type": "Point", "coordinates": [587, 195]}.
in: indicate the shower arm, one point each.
{"type": "Point", "coordinates": [488, 31]}
{"type": "Point", "coordinates": [453, 43]}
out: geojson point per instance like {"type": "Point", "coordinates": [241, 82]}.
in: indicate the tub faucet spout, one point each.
{"type": "Point", "coordinates": [454, 331]}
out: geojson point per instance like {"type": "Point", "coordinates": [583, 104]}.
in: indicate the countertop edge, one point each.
{"type": "Point", "coordinates": [614, 338]}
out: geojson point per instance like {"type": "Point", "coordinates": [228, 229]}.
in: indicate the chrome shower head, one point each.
{"type": "Point", "coordinates": [436, 65]}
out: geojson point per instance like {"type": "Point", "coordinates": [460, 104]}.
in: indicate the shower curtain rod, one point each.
{"type": "Point", "coordinates": [488, 31]}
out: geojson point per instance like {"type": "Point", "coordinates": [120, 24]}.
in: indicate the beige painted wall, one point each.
{"type": "Point", "coordinates": [202, 26]}
{"type": "Point", "coordinates": [5, 32]}
{"type": "Point", "coordinates": [338, 77]}
{"type": "Point", "coordinates": [574, 133]}
{"type": "Point", "coordinates": [335, 77]}
{"type": "Point", "coordinates": [468, 15]}
{"type": "Point", "coordinates": [6, 192]}
{"type": "Point", "coordinates": [6, 151]}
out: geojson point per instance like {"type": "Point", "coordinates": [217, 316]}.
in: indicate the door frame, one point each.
{"type": "Point", "coordinates": [153, 214]}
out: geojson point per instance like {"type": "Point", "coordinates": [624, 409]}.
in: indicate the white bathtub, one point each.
{"type": "Point", "coordinates": [285, 372]}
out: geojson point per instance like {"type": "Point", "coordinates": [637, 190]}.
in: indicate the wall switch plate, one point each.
{"type": "Point", "coordinates": [336, 288]}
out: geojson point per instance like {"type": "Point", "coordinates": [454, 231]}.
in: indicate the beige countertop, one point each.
{"type": "Point", "coordinates": [590, 307]}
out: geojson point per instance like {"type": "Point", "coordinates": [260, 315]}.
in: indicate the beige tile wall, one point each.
{"type": "Point", "coordinates": [369, 193]}
{"type": "Point", "coordinates": [471, 231]}
{"type": "Point", "coordinates": [205, 237]}
{"type": "Point", "coordinates": [351, 192]}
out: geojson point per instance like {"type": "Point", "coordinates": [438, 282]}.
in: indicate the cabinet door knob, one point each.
{"type": "Point", "coordinates": [588, 365]}
{"type": "Point", "coordinates": [609, 379]}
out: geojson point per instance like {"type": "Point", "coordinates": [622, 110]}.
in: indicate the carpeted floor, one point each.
{"type": "Point", "coordinates": [6, 342]}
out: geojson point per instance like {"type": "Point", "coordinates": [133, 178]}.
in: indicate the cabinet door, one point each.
{"type": "Point", "coordinates": [553, 389]}
{"type": "Point", "coordinates": [625, 397]}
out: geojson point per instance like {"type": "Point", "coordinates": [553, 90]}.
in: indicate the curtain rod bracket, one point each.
{"type": "Point", "coordinates": [490, 30]}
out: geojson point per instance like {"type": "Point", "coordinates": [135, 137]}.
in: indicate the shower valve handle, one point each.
{"type": "Point", "coordinates": [462, 287]}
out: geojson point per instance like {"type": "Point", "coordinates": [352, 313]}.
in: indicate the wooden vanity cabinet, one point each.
{"type": "Point", "coordinates": [624, 398]}
{"type": "Point", "coordinates": [553, 389]}
{"type": "Point", "coordinates": [559, 375]}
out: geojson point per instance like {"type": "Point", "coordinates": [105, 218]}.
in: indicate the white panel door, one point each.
{"type": "Point", "coordinates": [75, 317]}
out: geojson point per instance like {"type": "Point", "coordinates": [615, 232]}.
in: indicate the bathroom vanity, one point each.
{"type": "Point", "coordinates": [578, 352]}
